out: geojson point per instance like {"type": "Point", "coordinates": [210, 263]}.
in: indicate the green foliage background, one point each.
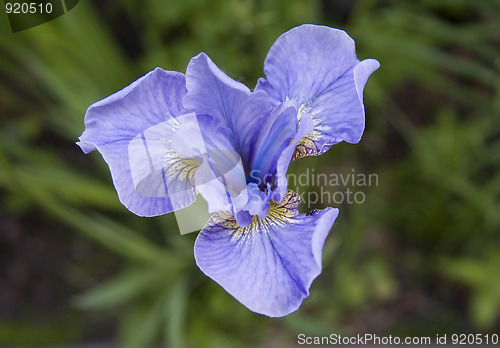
{"type": "Point", "coordinates": [421, 256]}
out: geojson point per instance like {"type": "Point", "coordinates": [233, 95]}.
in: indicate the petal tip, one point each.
{"type": "Point", "coordinates": [85, 146]}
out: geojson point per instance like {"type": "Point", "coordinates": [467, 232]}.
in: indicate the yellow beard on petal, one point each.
{"type": "Point", "coordinates": [182, 168]}
{"type": "Point", "coordinates": [283, 213]}
{"type": "Point", "coordinates": [306, 147]}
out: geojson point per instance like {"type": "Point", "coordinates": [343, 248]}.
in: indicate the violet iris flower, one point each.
{"type": "Point", "coordinates": [169, 136]}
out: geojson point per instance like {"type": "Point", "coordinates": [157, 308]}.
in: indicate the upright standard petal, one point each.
{"type": "Point", "coordinates": [317, 67]}
{"type": "Point", "coordinates": [132, 129]}
{"type": "Point", "coordinates": [243, 112]}
{"type": "Point", "coordinates": [270, 265]}
{"type": "Point", "coordinates": [306, 126]}
{"type": "Point", "coordinates": [272, 143]}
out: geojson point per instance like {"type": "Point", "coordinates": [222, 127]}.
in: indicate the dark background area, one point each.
{"type": "Point", "coordinates": [419, 257]}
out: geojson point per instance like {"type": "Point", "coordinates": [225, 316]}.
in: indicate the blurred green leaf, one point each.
{"type": "Point", "coordinates": [175, 313]}
{"type": "Point", "coordinates": [481, 276]}
{"type": "Point", "coordinates": [142, 325]}
{"type": "Point", "coordinates": [123, 288]}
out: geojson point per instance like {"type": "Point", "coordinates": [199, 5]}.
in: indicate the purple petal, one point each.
{"type": "Point", "coordinates": [317, 67]}
{"type": "Point", "coordinates": [306, 126]}
{"type": "Point", "coordinates": [132, 130]}
{"type": "Point", "coordinates": [270, 265]}
{"type": "Point", "coordinates": [213, 93]}
{"type": "Point", "coordinates": [251, 202]}
{"type": "Point", "coordinates": [282, 130]}
{"type": "Point", "coordinates": [220, 177]}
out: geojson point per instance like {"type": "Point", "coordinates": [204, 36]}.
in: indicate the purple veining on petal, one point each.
{"type": "Point", "coordinates": [116, 125]}
{"type": "Point", "coordinates": [270, 265]}
{"type": "Point", "coordinates": [317, 66]}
